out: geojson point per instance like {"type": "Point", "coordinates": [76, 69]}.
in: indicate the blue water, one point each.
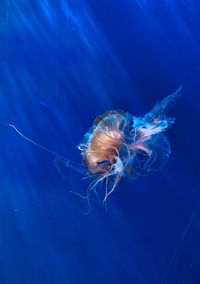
{"type": "Point", "coordinates": [62, 63]}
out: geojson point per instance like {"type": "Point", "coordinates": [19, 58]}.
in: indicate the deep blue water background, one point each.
{"type": "Point", "coordinates": [62, 63]}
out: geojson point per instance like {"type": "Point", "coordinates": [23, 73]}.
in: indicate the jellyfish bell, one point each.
{"type": "Point", "coordinates": [100, 146]}
{"type": "Point", "coordinates": [121, 145]}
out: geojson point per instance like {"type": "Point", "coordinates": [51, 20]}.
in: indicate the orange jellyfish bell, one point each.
{"type": "Point", "coordinates": [101, 145]}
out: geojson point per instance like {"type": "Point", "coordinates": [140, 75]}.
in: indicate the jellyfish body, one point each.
{"type": "Point", "coordinates": [121, 145]}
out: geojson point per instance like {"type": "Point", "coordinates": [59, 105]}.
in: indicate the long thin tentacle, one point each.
{"type": "Point", "coordinates": [59, 158]}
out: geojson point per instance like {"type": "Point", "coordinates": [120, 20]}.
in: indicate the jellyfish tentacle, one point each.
{"type": "Point", "coordinates": [87, 197]}
{"type": "Point", "coordinates": [58, 158]}
{"type": "Point", "coordinates": [117, 179]}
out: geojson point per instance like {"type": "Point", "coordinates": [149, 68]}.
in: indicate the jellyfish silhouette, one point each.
{"type": "Point", "coordinates": [121, 145]}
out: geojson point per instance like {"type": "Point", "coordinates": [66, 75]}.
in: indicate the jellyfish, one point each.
{"type": "Point", "coordinates": [121, 145]}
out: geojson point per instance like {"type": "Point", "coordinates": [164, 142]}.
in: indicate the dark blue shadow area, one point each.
{"type": "Point", "coordinates": [62, 64]}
